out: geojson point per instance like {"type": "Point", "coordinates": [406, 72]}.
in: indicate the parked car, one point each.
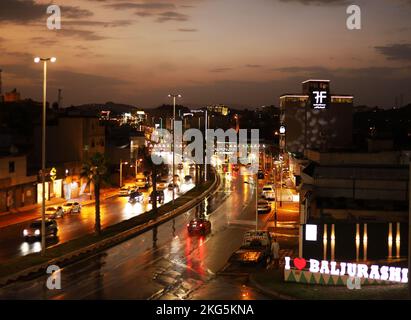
{"type": "Point", "coordinates": [141, 181]}
{"type": "Point", "coordinates": [162, 184]}
{"type": "Point", "coordinates": [72, 207]}
{"type": "Point", "coordinates": [160, 197]}
{"type": "Point", "coordinates": [268, 192]}
{"type": "Point", "coordinates": [263, 206]}
{"type": "Point", "coordinates": [54, 212]}
{"type": "Point", "coordinates": [135, 197]}
{"type": "Point", "coordinates": [124, 192]}
{"type": "Point", "coordinates": [199, 226]}
{"type": "Point", "coordinates": [33, 231]}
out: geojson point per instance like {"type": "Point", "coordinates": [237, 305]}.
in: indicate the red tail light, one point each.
{"type": "Point", "coordinates": [201, 225]}
{"type": "Point", "coordinates": [188, 224]}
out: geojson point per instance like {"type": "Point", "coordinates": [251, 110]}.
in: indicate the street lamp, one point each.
{"type": "Point", "coordinates": [43, 152]}
{"type": "Point", "coordinates": [256, 199]}
{"type": "Point", "coordinates": [121, 172]}
{"type": "Point", "coordinates": [174, 96]}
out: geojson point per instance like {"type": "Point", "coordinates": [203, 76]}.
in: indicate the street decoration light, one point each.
{"type": "Point", "coordinates": [43, 152]}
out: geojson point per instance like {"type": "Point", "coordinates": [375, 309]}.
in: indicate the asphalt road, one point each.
{"type": "Point", "coordinates": [71, 226]}
{"type": "Point", "coordinates": [165, 262]}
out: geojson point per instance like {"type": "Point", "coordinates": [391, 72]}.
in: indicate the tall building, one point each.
{"type": "Point", "coordinates": [315, 119]}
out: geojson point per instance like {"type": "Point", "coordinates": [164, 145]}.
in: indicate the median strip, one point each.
{"type": "Point", "coordinates": [76, 249]}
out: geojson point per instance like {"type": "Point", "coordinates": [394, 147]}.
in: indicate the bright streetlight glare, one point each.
{"type": "Point", "coordinates": [53, 59]}
{"type": "Point", "coordinates": [36, 59]}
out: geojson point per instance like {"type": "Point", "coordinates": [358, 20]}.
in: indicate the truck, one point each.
{"type": "Point", "coordinates": [255, 249]}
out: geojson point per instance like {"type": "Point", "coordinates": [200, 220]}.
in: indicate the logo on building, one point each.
{"type": "Point", "coordinates": [319, 99]}
{"type": "Point", "coordinates": [53, 174]}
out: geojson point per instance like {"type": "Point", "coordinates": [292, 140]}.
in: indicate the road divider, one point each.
{"type": "Point", "coordinates": [69, 252]}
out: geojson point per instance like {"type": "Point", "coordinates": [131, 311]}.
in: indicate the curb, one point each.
{"type": "Point", "coordinates": [109, 242]}
{"type": "Point", "coordinates": [267, 291]}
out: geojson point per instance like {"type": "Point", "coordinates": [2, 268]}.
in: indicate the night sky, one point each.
{"type": "Point", "coordinates": [238, 52]}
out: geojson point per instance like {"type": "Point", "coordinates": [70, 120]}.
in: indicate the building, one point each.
{"type": "Point", "coordinates": [71, 140]}
{"type": "Point", "coordinates": [315, 119]}
{"type": "Point", "coordinates": [17, 189]}
{"type": "Point", "coordinates": [358, 204]}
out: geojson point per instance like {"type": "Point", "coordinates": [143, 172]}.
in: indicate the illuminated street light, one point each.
{"type": "Point", "coordinates": [121, 172]}
{"type": "Point", "coordinates": [174, 96]}
{"type": "Point", "coordinates": [43, 152]}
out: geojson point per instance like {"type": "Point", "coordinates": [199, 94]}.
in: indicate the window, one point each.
{"type": "Point", "coordinates": [12, 167]}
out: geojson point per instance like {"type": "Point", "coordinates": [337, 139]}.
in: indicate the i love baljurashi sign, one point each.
{"type": "Point", "coordinates": [333, 273]}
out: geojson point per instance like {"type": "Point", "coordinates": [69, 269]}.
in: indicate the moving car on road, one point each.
{"type": "Point", "coordinates": [199, 226]}
{"type": "Point", "coordinates": [268, 192]}
{"type": "Point", "coordinates": [54, 212]}
{"type": "Point", "coordinates": [263, 206]}
{"type": "Point", "coordinates": [135, 197]}
{"type": "Point", "coordinates": [72, 207]}
{"type": "Point", "coordinates": [33, 231]}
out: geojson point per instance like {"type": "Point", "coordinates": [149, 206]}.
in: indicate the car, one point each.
{"type": "Point", "coordinates": [260, 174]}
{"type": "Point", "coordinates": [160, 197]}
{"type": "Point", "coordinates": [54, 212]}
{"type": "Point", "coordinates": [124, 192]}
{"type": "Point", "coordinates": [263, 206]}
{"type": "Point", "coordinates": [162, 184]}
{"type": "Point", "coordinates": [33, 231]}
{"type": "Point", "coordinates": [141, 181]}
{"type": "Point", "coordinates": [268, 192]}
{"type": "Point", "coordinates": [188, 179]}
{"type": "Point", "coordinates": [135, 197]}
{"type": "Point", "coordinates": [72, 207]}
{"type": "Point", "coordinates": [180, 166]}
{"type": "Point", "coordinates": [199, 226]}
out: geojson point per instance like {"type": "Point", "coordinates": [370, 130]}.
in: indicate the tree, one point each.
{"type": "Point", "coordinates": [95, 171]}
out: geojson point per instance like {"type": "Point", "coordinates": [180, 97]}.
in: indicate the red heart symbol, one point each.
{"type": "Point", "coordinates": [300, 263]}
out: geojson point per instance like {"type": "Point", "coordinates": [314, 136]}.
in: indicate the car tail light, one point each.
{"type": "Point", "coordinates": [188, 224]}
{"type": "Point", "coordinates": [201, 225]}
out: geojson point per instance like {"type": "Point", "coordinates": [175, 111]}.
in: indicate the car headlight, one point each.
{"type": "Point", "coordinates": [37, 232]}
{"type": "Point", "coordinates": [25, 232]}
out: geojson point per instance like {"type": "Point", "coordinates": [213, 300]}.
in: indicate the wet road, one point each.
{"type": "Point", "coordinates": [163, 263]}
{"type": "Point", "coordinates": [71, 226]}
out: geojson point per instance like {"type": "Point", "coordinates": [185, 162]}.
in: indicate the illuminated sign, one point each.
{"type": "Point", "coordinates": [282, 129]}
{"type": "Point", "coordinates": [53, 173]}
{"type": "Point", "coordinates": [311, 232]}
{"type": "Point", "coordinates": [375, 272]}
{"type": "Point", "coordinates": [319, 99]}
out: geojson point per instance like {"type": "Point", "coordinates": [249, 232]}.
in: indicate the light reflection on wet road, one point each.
{"type": "Point", "coordinates": [163, 263]}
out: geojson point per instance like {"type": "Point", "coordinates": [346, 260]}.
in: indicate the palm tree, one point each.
{"type": "Point", "coordinates": [95, 171]}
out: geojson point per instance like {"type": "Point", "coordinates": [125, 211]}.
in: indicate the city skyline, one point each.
{"type": "Point", "coordinates": [241, 53]}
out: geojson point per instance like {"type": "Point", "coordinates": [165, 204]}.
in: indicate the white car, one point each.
{"type": "Point", "coordinates": [54, 212]}
{"type": "Point", "coordinates": [263, 206]}
{"type": "Point", "coordinates": [72, 207]}
{"type": "Point", "coordinates": [124, 192]}
{"type": "Point", "coordinates": [268, 192]}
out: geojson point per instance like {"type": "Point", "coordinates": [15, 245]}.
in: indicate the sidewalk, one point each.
{"type": "Point", "coordinates": [30, 212]}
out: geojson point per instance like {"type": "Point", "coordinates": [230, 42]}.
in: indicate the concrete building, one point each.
{"type": "Point", "coordinates": [358, 202]}
{"type": "Point", "coordinates": [71, 140]}
{"type": "Point", "coordinates": [315, 119]}
{"type": "Point", "coordinates": [16, 187]}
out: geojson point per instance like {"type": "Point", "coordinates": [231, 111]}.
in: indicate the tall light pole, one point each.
{"type": "Point", "coordinates": [174, 96]}
{"type": "Point", "coordinates": [121, 171]}
{"type": "Point", "coordinates": [256, 199]}
{"type": "Point", "coordinates": [43, 152]}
